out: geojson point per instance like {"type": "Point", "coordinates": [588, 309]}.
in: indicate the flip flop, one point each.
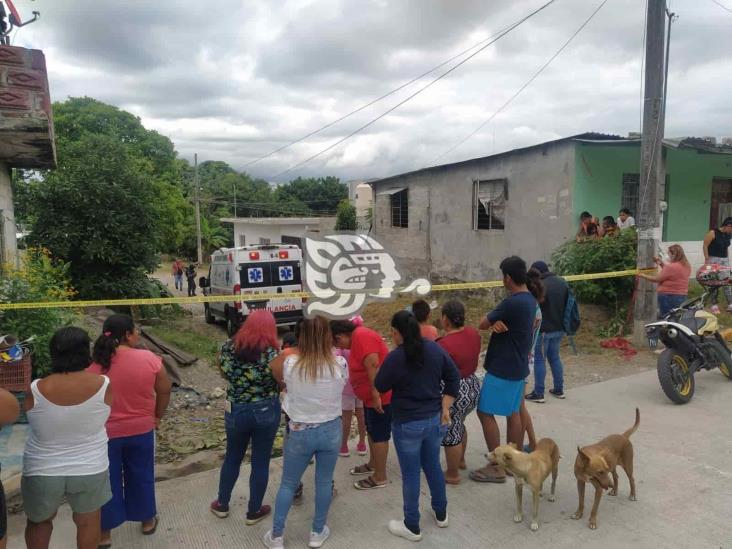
{"type": "Point", "coordinates": [487, 474]}
{"type": "Point", "coordinates": [368, 483]}
{"type": "Point", "coordinates": [452, 482]}
{"type": "Point", "coordinates": [151, 531]}
{"type": "Point", "coordinates": [359, 470]}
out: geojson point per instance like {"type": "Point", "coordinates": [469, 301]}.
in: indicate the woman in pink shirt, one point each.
{"type": "Point", "coordinates": [673, 280]}
{"type": "Point", "coordinates": [141, 395]}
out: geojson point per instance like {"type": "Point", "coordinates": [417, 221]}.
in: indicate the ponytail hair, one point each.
{"type": "Point", "coordinates": [535, 285]}
{"type": "Point", "coordinates": [406, 324]}
{"type": "Point", "coordinates": [114, 332]}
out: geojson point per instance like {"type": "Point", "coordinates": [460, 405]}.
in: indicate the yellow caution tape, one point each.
{"type": "Point", "coordinates": [266, 297]}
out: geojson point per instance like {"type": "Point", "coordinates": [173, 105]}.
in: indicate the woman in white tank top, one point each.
{"type": "Point", "coordinates": [314, 379]}
{"type": "Point", "coordinates": [66, 452]}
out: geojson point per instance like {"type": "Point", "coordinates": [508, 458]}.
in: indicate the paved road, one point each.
{"type": "Point", "coordinates": [683, 471]}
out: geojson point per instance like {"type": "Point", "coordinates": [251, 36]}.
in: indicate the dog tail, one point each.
{"type": "Point", "coordinates": [634, 428]}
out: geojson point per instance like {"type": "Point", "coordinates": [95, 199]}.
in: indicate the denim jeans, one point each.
{"type": "Point", "coordinates": [256, 422]}
{"type": "Point", "coordinates": [417, 445]}
{"type": "Point", "coordinates": [547, 349]}
{"type": "Point", "coordinates": [323, 442]}
{"type": "Point", "coordinates": [666, 302]}
{"type": "Point", "coordinates": [178, 281]}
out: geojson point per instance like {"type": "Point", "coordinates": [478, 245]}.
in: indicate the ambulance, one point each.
{"type": "Point", "coordinates": [247, 271]}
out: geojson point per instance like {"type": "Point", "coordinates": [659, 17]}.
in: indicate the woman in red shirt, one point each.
{"type": "Point", "coordinates": [141, 395]}
{"type": "Point", "coordinates": [673, 280]}
{"type": "Point", "coordinates": [462, 343]}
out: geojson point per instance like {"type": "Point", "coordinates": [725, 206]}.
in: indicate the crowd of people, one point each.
{"type": "Point", "coordinates": [591, 228]}
{"type": "Point", "coordinates": [418, 394]}
{"type": "Point", "coordinates": [92, 420]}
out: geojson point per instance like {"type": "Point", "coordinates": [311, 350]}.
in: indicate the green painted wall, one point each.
{"type": "Point", "coordinates": [599, 173]}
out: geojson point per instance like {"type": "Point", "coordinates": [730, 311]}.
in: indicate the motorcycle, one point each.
{"type": "Point", "coordinates": [693, 342]}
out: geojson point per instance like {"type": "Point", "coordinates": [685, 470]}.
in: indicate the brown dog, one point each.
{"type": "Point", "coordinates": [594, 464]}
{"type": "Point", "coordinates": [531, 468]}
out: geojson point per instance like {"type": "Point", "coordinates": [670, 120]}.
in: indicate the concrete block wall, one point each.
{"type": "Point", "coordinates": [440, 240]}
{"type": "Point", "coordinates": [8, 246]}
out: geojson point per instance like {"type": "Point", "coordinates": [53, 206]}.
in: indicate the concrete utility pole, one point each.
{"type": "Point", "coordinates": [652, 168]}
{"type": "Point", "coordinates": [196, 185]}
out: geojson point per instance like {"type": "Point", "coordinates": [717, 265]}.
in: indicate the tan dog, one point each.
{"type": "Point", "coordinates": [531, 468]}
{"type": "Point", "coordinates": [595, 463]}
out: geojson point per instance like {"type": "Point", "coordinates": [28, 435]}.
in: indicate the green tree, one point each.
{"type": "Point", "coordinates": [346, 217]}
{"type": "Point", "coordinates": [319, 195]}
{"type": "Point", "coordinates": [96, 212]}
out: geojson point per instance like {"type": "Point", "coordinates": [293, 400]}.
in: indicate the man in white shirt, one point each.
{"type": "Point", "coordinates": [625, 220]}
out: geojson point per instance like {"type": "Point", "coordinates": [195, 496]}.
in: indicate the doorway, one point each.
{"type": "Point", "coordinates": [721, 203]}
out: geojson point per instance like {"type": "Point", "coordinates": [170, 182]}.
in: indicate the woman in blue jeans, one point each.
{"type": "Point", "coordinates": [252, 411]}
{"type": "Point", "coordinates": [416, 371]}
{"type": "Point", "coordinates": [314, 380]}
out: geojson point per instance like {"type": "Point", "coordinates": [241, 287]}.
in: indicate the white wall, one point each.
{"type": "Point", "coordinates": [274, 232]}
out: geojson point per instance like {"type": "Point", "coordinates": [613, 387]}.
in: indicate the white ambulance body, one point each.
{"type": "Point", "coordinates": [245, 272]}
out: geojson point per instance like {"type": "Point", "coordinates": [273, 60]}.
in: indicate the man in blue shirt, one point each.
{"type": "Point", "coordinates": [506, 363]}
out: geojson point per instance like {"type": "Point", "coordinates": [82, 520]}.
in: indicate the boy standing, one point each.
{"type": "Point", "coordinates": [506, 363]}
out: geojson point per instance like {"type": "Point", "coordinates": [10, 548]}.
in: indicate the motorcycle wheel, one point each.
{"type": "Point", "coordinates": [725, 361]}
{"type": "Point", "coordinates": [675, 377]}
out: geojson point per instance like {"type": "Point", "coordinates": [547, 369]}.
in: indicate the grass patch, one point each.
{"type": "Point", "coordinates": [180, 335]}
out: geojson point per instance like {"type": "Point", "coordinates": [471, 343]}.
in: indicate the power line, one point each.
{"type": "Point", "coordinates": [722, 6]}
{"type": "Point", "coordinates": [423, 88]}
{"type": "Point", "coordinates": [526, 84]}
{"type": "Point", "coordinates": [372, 102]}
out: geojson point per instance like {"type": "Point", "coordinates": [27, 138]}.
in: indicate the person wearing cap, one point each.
{"type": "Point", "coordinates": [716, 252]}
{"type": "Point", "coordinates": [551, 334]}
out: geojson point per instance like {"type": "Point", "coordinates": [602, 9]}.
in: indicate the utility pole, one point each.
{"type": "Point", "coordinates": [652, 168]}
{"type": "Point", "coordinates": [196, 186]}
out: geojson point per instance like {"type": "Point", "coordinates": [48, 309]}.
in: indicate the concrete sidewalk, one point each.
{"type": "Point", "coordinates": [683, 463]}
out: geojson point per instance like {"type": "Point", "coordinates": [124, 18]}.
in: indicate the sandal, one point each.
{"type": "Point", "coordinates": [361, 470]}
{"type": "Point", "coordinates": [488, 473]}
{"type": "Point", "coordinates": [151, 531]}
{"type": "Point", "coordinates": [368, 483]}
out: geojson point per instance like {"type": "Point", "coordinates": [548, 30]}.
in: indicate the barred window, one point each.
{"type": "Point", "coordinates": [489, 204]}
{"type": "Point", "coordinates": [400, 209]}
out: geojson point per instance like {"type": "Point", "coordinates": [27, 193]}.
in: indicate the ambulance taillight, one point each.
{"type": "Point", "coordinates": [237, 291]}
{"type": "Point", "coordinates": [253, 255]}
{"type": "Point", "coordinates": [284, 254]}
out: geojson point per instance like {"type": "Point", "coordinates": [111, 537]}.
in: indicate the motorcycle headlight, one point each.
{"type": "Point", "coordinates": [672, 333]}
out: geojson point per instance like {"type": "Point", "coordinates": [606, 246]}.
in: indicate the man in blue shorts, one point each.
{"type": "Point", "coordinates": [506, 363]}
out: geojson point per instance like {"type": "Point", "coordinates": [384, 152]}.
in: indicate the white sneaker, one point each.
{"type": "Point", "coordinates": [399, 529]}
{"type": "Point", "coordinates": [440, 523]}
{"type": "Point", "coordinates": [273, 543]}
{"type": "Point", "coordinates": [317, 540]}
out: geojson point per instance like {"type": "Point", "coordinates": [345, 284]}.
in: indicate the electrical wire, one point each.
{"type": "Point", "coordinates": [526, 84]}
{"type": "Point", "coordinates": [420, 90]}
{"type": "Point", "coordinates": [722, 6]}
{"type": "Point", "coordinates": [374, 101]}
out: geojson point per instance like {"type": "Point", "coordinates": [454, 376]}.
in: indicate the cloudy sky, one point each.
{"type": "Point", "coordinates": [233, 80]}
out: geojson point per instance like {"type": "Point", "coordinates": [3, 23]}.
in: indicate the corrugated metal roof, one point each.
{"type": "Point", "coordinates": [698, 143]}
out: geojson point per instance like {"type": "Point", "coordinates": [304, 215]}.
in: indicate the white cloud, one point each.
{"type": "Point", "coordinates": [235, 79]}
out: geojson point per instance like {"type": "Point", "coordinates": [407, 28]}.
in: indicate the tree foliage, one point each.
{"type": "Point", "coordinates": [346, 217]}
{"type": "Point", "coordinates": [120, 196]}
{"type": "Point", "coordinates": [97, 213]}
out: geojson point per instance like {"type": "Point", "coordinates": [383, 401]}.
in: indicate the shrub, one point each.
{"type": "Point", "coordinates": [346, 217]}
{"type": "Point", "coordinates": [616, 253]}
{"type": "Point", "coordinates": [39, 278]}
